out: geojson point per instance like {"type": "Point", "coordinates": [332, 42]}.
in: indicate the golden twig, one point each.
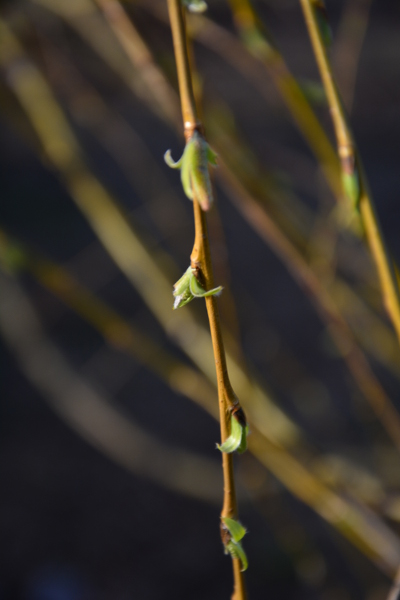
{"type": "Point", "coordinates": [351, 165]}
{"type": "Point", "coordinates": [201, 264]}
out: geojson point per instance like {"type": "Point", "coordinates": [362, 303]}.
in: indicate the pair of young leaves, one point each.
{"type": "Point", "coordinates": [196, 183]}
{"type": "Point", "coordinates": [234, 547]}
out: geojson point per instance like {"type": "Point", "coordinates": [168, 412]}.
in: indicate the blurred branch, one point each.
{"type": "Point", "coordinates": [353, 172]}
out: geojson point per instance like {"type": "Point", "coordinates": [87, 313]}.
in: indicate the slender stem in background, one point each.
{"type": "Point", "coordinates": [349, 158]}
{"type": "Point", "coordinates": [201, 263]}
{"type": "Point", "coordinates": [188, 104]}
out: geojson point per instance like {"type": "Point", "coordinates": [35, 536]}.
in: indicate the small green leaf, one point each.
{"type": "Point", "coordinates": [214, 292]}
{"type": "Point", "coordinates": [182, 293]}
{"type": "Point", "coordinates": [199, 292]}
{"type": "Point", "coordinates": [186, 179]}
{"type": "Point", "coordinates": [195, 176]}
{"type": "Point", "coordinates": [187, 288]}
{"type": "Point", "coordinates": [243, 442]}
{"type": "Point", "coordinates": [235, 549]}
{"type": "Point", "coordinates": [236, 529]}
{"type": "Point", "coordinates": [170, 162]}
{"type": "Point", "coordinates": [351, 186]}
{"type": "Point", "coordinates": [237, 440]}
{"type": "Point", "coordinates": [183, 283]}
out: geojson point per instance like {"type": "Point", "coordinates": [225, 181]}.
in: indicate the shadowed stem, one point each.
{"type": "Point", "coordinates": [202, 266]}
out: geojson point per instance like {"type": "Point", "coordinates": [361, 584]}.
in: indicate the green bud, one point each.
{"type": "Point", "coordinates": [187, 288]}
{"type": "Point", "coordinates": [193, 164]}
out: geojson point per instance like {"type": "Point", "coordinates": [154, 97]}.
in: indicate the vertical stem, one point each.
{"type": "Point", "coordinates": [188, 104]}
{"type": "Point", "coordinates": [201, 262]}
{"type": "Point", "coordinates": [343, 134]}
{"type": "Point", "coordinates": [348, 156]}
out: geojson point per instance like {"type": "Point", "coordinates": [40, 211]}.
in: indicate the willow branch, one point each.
{"type": "Point", "coordinates": [351, 163]}
{"type": "Point", "coordinates": [201, 264]}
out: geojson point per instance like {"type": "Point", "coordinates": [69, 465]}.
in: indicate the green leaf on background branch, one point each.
{"type": "Point", "coordinates": [193, 164]}
{"type": "Point", "coordinates": [188, 287]}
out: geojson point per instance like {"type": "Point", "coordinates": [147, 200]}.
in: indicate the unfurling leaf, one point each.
{"type": "Point", "coordinates": [237, 441]}
{"type": "Point", "coordinates": [193, 164]}
{"type": "Point", "coordinates": [236, 551]}
{"type": "Point", "coordinates": [234, 547]}
{"type": "Point", "coordinates": [236, 529]}
{"type": "Point", "coordinates": [187, 288]}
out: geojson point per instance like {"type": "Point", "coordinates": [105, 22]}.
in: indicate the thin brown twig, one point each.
{"type": "Point", "coordinates": [202, 265]}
